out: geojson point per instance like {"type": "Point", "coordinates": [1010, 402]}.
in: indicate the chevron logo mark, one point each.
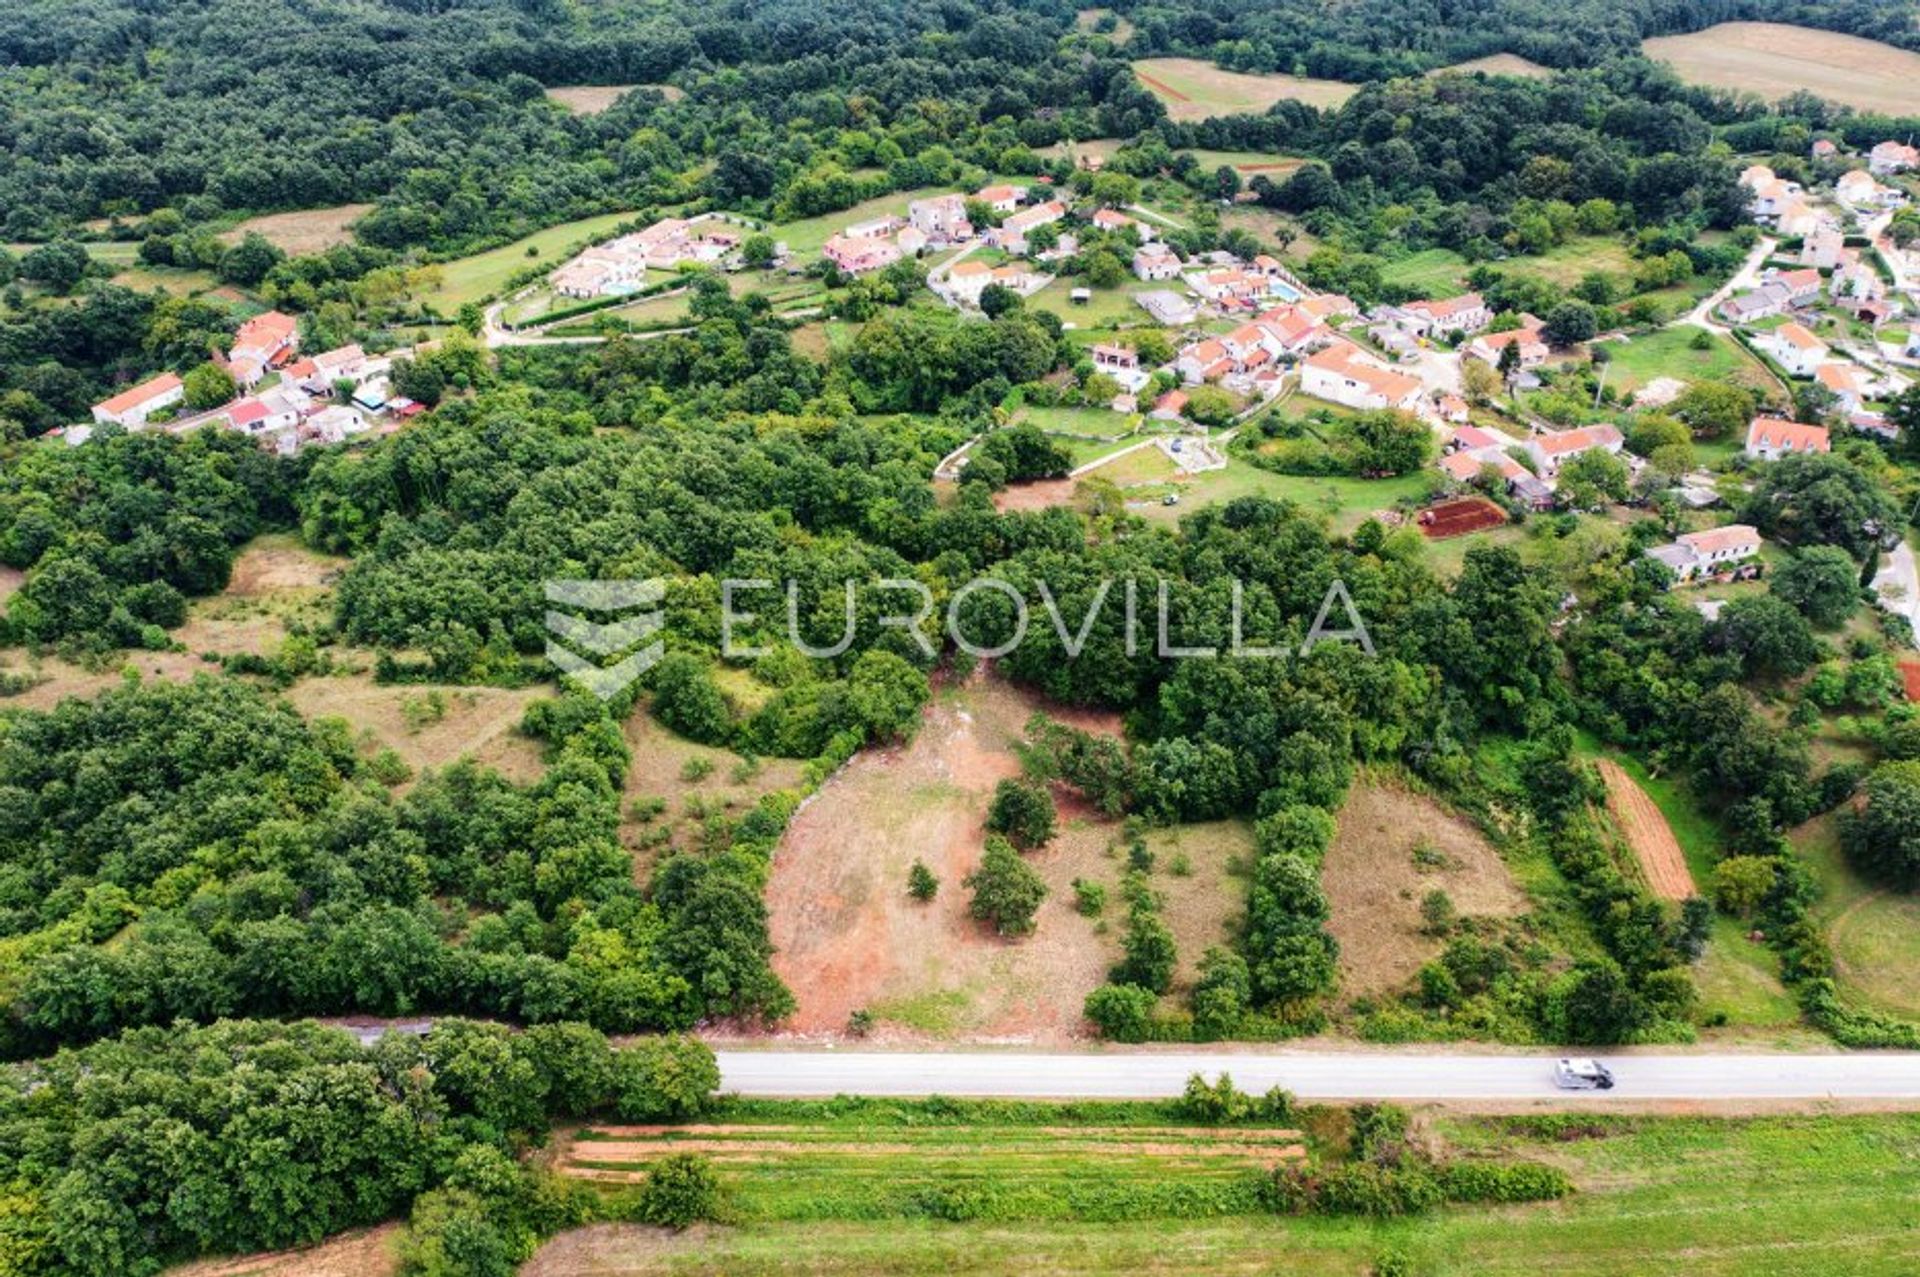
{"type": "Point", "coordinates": [632, 626]}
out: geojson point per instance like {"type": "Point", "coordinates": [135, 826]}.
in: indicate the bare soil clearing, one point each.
{"type": "Point", "coordinates": [1773, 60]}
{"type": "Point", "coordinates": [847, 935]}
{"type": "Point", "coordinates": [1197, 90]}
{"type": "Point", "coordinates": [1040, 494]}
{"type": "Point", "coordinates": [592, 99]}
{"type": "Point", "coordinates": [364, 1252]}
{"type": "Point", "coordinates": [310, 230]}
{"type": "Point", "coordinates": [476, 722]}
{"type": "Point", "coordinates": [1648, 833]}
{"type": "Point", "coordinates": [1375, 882]}
{"type": "Point", "coordinates": [1497, 64]}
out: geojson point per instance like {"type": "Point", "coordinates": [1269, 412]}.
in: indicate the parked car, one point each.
{"type": "Point", "coordinates": [1582, 1075]}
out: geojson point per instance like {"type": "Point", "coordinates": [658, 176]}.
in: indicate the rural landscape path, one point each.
{"type": "Point", "coordinates": [1701, 316]}
{"type": "Point", "coordinates": [1860, 1076]}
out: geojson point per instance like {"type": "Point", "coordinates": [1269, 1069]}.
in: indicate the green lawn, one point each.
{"type": "Point", "coordinates": [811, 234]}
{"type": "Point", "coordinates": [476, 278]}
{"type": "Point", "coordinates": [1655, 1196]}
{"type": "Point", "coordinates": [1669, 352]}
{"type": "Point", "coordinates": [1433, 272]}
{"type": "Point", "coordinates": [1345, 502]}
{"type": "Point", "coordinates": [1875, 934]}
{"type": "Point", "coordinates": [1102, 422]}
{"type": "Point", "coordinates": [1107, 309]}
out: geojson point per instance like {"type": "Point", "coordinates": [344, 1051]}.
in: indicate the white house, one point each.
{"type": "Point", "coordinates": [1012, 233]}
{"type": "Point", "coordinates": [1848, 382]}
{"type": "Point", "coordinates": [1342, 374]}
{"type": "Point", "coordinates": [1696, 554]}
{"type": "Point", "coordinates": [1155, 261]}
{"type": "Point", "coordinates": [1770, 438]}
{"type": "Point", "coordinates": [1794, 349]}
{"type": "Point", "coordinates": [1860, 190]}
{"type": "Point", "coordinates": [1466, 313]}
{"type": "Point", "coordinates": [1552, 449]}
{"type": "Point", "coordinates": [1001, 199]}
{"type": "Point", "coordinates": [1892, 157]}
{"type": "Point", "coordinates": [941, 217]}
{"type": "Point", "coordinates": [132, 407]}
{"type": "Point", "coordinates": [1533, 348]}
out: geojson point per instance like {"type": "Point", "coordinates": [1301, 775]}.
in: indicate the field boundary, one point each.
{"type": "Point", "coordinates": [1648, 833]}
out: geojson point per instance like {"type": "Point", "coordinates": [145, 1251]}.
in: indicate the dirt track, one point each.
{"type": "Point", "coordinates": [1650, 835]}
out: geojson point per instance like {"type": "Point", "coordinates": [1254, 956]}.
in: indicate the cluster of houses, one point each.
{"type": "Point", "coordinates": [1471, 450]}
{"type": "Point", "coordinates": [620, 265]}
{"type": "Point", "coordinates": [299, 408]}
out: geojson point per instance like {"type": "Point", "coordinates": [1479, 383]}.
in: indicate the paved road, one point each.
{"type": "Point", "coordinates": [1748, 274]}
{"type": "Point", "coordinates": [794, 1073]}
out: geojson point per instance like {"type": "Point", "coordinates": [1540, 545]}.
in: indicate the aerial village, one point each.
{"type": "Point", "coordinates": [1205, 344]}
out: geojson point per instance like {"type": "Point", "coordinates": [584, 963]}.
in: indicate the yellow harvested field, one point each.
{"type": "Point", "coordinates": [591, 99]}
{"type": "Point", "coordinates": [1773, 60]}
{"type": "Point", "coordinates": [311, 230]}
{"type": "Point", "coordinates": [1497, 64]}
{"type": "Point", "coordinates": [1197, 90]}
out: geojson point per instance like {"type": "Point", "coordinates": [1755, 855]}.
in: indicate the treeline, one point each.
{"type": "Point", "coordinates": [167, 1143]}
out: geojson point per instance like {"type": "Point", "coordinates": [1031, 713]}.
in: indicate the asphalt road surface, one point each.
{"type": "Point", "coordinates": [813, 1073]}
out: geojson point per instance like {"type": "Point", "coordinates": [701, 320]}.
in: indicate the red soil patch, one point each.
{"type": "Point", "coordinates": [1041, 494]}
{"type": "Point", "coordinates": [847, 935]}
{"type": "Point", "coordinates": [1648, 833]}
{"type": "Point", "coordinates": [1910, 676]}
{"type": "Point", "coordinates": [1161, 86]}
{"type": "Point", "coordinates": [1457, 518]}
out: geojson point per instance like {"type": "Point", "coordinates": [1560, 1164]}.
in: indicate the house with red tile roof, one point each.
{"type": "Point", "coordinates": [270, 339]}
{"type": "Point", "coordinates": [1345, 375]}
{"type": "Point", "coordinates": [1771, 438]}
{"type": "Point", "coordinates": [1552, 449]}
{"type": "Point", "coordinates": [1533, 348]}
{"type": "Point", "coordinates": [1892, 157]}
{"type": "Point", "coordinates": [1698, 554]}
{"type": "Point", "coordinates": [1794, 348]}
{"type": "Point", "coordinates": [1466, 313]}
{"type": "Point", "coordinates": [1001, 199]}
{"type": "Point", "coordinates": [132, 407]}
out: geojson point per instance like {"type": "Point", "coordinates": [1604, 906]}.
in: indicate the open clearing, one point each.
{"type": "Point", "coordinates": [472, 279]}
{"type": "Point", "coordinates": [1197, 90]}
{"type": "Point", "coordinates": [1391, 847]}
{"type": "Point", "coordinates": [430, 727]}
{"type": "Point", "coordinates": [848, 937]}
{"type": "Point", "coordinates": [364, 1252]}
{"type": "Point", "coordinates": [1773, 60]}
{"type": "Point", "coordinates": [1497, 64]}
{"type": "Point", "coordinates": [694, 781]}
{"type": "Point", "coordinates": [592, 99]}
{"type": "Point", "coordinates": [1087, 19]}
{"type": "Point", "coordinates": [1648, 833]}
{"type": "Point", "coordinates": [311, 230]}
{"type": "Point", "coordinates": [1875, 934]}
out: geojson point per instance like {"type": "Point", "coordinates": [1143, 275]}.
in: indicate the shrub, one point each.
{"type": "Point", "coordinates": [1123, 1012]}
{"type": "Point", "coordinates": [1023, 811]}
{"type": "Point", "coordinates": [1503, 1182]}
{"type": "Point", "coordinates": [921, 884]}
{"type": "Point", "coordinates": [680, 1190]}
{"type": "Point", "coordinates": [1006, 890]}
{"type": "Point", "coordinates": [664, 1078]}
